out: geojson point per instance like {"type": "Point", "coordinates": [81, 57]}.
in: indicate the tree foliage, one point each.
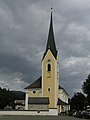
{"type": "Point", "coordinates": [86, 88]}
{"type": "Point", "coordinates": [78, 102]}
{"type": "Point", "coordinates": [7, 97]}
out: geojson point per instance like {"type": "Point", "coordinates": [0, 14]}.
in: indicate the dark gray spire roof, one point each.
{"type": "Point", "coordinates": [51, 42]}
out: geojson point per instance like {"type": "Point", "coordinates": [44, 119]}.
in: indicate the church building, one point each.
{"type": "Point", "coordinates": [46, 93]}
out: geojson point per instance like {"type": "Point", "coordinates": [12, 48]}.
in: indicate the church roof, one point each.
{"type": "Point", "coordinates": [38, 84]}
{"type": "Point", "coordinates": [38, 100]}
{"type": "Point", "coordinates": [60, 102]}
{"type": "Point", "coordinates": [35, 84]}
{"type": "Point", "coordinates": [51, 41]}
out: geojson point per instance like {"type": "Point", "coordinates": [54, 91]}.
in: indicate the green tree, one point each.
{"type": "Point", "coordinates": [78, 102]}
{"type": "Point", "coordinates": [86, 88]}
{"type": "Point", "coordinates": [7, 97]}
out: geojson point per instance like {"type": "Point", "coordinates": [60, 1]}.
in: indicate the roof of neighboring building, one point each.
{"type": "Point", "coordinates": [51, 42]}
{"type": "Point", "coordinates": [35, 84]}
{"type": "Point", "coordinates": [38, 100]}
{"type": "Point", "coordinates": [60, 102]}
{"type": "Point", "coordinates": [60, 87]}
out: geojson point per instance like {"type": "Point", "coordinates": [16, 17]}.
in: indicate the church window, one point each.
{"type": "Point", "coordinates": [49, 89]}
{"type": "Point", "coordinates": [34, 92]}
{"type": "Point", "coordinates": [48, 67]}
{"type": "Point", "coordinates": [49, 60]}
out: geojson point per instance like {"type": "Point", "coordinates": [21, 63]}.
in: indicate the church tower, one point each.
{"type": "Point", "coordinates": [45, 93]}
{"type": "Point", "coordinates": [50, 73]}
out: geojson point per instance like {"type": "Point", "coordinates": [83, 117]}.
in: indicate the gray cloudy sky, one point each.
{"type": "Point", "coordinates": [24, 28]}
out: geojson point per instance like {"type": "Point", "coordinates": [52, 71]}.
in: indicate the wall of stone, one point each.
{"type": "Point", "coordinates": [38, 107]}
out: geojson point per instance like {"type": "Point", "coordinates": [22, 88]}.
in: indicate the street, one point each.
{"type": "Point", "coordinates": [38, 118]}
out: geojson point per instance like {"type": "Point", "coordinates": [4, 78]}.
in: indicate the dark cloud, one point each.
{"type": "Point", "coordinates": [24, 28]}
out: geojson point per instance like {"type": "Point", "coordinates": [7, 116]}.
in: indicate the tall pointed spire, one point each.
{"type": "Point", "coordinates": [51, 42]}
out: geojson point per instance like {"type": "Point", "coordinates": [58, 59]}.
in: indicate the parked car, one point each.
{"type": "Point", "coordinates": [74, 113]}
{"type": "Point", "coordinates": [86, 115]}
{"type": "Point", "coordinates": [82, 114]}
{"type": "Point", "coordinates": [79, 114]}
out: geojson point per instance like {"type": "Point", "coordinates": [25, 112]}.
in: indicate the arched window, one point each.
{"type": "Point", "coordinates": [48, 67]}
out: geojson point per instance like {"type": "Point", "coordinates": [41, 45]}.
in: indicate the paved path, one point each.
{"type": "Point", "coordinates": [38, 118]}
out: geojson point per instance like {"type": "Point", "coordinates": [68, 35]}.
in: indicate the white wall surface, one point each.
{"type": "Point", "coordinates": [44, 113]}
{"type": "Point", "coordinates": [63, 96]}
